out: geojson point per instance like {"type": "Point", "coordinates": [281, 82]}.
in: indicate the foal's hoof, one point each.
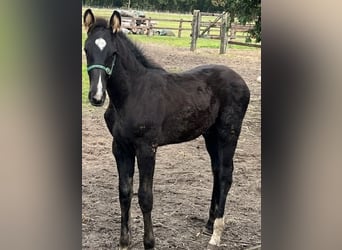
{"type": "Point", "coordinates": [149, 243]}
{"type": "Point", "coordinates": [123, 247]}
{"type": "Point", "coordinates": [207, 231]}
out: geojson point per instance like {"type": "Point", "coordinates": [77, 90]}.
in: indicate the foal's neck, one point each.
{"type": "Point", "coordinates": [131, 66]}
{"type": "Point", "coordinates": [127, 70]}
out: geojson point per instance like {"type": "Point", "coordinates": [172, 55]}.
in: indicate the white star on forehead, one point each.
{"type": "Point", "coordinates": [101, 43]}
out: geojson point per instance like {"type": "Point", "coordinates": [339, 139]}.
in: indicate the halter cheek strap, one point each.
{"type": "Point", "coordinates": [106, 69]}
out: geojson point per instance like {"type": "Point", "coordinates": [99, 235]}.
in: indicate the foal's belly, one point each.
{"type": "Point", "coordinates": [186, 125]}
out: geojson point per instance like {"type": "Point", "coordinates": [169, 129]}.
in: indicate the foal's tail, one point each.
{"type": "Point", "coordinates": [245, 97]}
{"type": "Point", "coordinates": [239, 94]}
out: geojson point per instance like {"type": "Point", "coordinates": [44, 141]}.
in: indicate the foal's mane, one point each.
{"type": "Point", "coordinates": [138, 52]}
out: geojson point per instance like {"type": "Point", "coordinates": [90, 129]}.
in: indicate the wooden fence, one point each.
{"type": "Point", "coordinates": [220, 22]}
{"type": "Point", "coordinates": [197, 28]}
{"type": "Point", "coordinates": [149, 26]}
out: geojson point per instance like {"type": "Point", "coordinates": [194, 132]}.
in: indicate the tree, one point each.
{"type": "Point", "coordinates": [245, 11]}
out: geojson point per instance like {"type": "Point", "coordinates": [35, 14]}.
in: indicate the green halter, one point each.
{"type": "Point", "coordinates": [106, 69]}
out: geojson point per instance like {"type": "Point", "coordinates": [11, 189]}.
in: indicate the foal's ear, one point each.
{"type": "Point", "coordinates": [88, 19]}
{"type": "Point", "coordinates": [115, 21]}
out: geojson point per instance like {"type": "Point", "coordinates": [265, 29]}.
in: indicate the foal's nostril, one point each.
{"type": "Point", "coordinates": [96, 102]}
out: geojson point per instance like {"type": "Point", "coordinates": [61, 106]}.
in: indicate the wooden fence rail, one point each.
{"type": "Point", "coordinates": [149, 26]}
{"type": "Point", "coordinates": [198, 28]}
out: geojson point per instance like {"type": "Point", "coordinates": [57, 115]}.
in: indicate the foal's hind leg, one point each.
{"type": "Point", "coordinates": [211, 142]}
{"type": "Point", "coordinates": [124, 157]}
{"type": "Point", "coordinates": [227, 128]}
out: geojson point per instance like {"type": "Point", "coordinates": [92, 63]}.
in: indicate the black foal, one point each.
{"type": "Point", "coordinates": [150, 107]}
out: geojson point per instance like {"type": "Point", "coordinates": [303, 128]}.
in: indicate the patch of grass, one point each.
{"type": "Point", "coordinates": [184, 42]}
{"type": "Point", "coordinates": [85, 84]}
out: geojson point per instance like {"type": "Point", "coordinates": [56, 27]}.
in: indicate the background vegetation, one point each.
{"type": "Point", "coordinates": [244, 11]}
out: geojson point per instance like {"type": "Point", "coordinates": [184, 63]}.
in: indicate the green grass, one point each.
{"type": "Point", "coordinates": [85, 84]}
{"type": "Point", "coordinates": [183, 42]}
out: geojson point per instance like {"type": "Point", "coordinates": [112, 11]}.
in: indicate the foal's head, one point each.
{"type": "Point", "coordinates": [100, 49]}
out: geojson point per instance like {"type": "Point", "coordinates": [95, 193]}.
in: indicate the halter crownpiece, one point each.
{"type": "Point", "coordinates": [106, 69]}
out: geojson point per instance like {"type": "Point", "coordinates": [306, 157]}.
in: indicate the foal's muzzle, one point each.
{"type": "Point", "coordinates": [97, 91]}
{"type": "Point", "coordinates": [95, 102]}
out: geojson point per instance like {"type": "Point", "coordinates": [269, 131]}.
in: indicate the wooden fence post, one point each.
{"type": "Point", "coordinates": [149, 27]}
{"type": "Point", "coordinates": [209, 28]}
{"type": "Point", "coordinates": [195, 29]}
{"type": "Point", "coordinates": [223, 34]}
{"type": "Point", "coordinates": [199, 24]}
{"type": "Point", "coordinates": [133, 24]}
{"type": "Point", "coordinates": [180, 28]}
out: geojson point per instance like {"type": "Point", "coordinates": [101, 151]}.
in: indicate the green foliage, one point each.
{"type": "Point", "coordinates": [246, 11]}
{"type": "Point", "coordinates": [85, 82]}
{"type": "Point", "coordinates": [250, 11]}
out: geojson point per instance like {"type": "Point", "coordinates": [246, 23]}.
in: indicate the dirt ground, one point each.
{"type": "Point", "coordinates": [183, 179]}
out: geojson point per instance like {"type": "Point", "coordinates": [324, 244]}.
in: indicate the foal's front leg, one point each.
{"type": "Point", "coordinates": [125, 157]}
{"type": "Point", "coordinates": [146, 161]}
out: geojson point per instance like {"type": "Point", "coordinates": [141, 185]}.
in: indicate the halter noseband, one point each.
{"type": "Point", "coordinates": [106, 69]}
